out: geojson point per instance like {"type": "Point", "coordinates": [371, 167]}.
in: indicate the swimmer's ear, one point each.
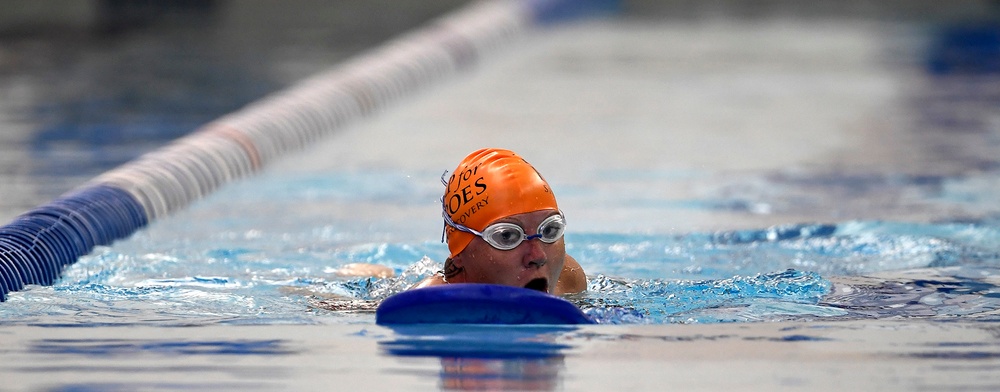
{"type": "Point", "coordinates": [452, 263]}
{"type": "Point", "coordinates": [453, 266]}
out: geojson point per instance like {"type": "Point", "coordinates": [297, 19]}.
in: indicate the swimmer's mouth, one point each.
{"type": "Point", "coordinates": [540, 284]}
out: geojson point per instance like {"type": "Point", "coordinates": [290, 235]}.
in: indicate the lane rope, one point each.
{"type": "Point", "coordinates": [37, 245]}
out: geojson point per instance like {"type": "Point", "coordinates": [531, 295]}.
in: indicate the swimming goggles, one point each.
{"type": "Point", "coordinates": [507, 236]}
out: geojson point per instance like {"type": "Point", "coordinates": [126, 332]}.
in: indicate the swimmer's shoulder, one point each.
{"type": "Point", "coordinates": [572, 279]}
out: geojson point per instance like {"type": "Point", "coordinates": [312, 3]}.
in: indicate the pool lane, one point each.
{"type": "Point", "coordinates": [762, 356]}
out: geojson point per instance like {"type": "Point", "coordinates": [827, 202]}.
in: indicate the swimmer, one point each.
{"type": "Point", "coordinates": [503, 226]}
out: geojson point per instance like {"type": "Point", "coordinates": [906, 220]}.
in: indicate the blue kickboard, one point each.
{"type": "Point", "coordinates": [464, 303]}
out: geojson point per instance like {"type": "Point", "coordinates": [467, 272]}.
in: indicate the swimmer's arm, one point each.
{"type": "Point", "coordinates": [365, 270]}
{"type": "Point", "coordinates": [572, 279]}
{"type": "Point", "coordinates": [433, 280]}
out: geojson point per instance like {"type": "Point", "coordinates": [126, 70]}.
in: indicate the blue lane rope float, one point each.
{"type": "Point", "coordinates": [37, 245]}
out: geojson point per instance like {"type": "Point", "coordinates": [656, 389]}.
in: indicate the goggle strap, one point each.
{"type": "Point", "coordinates": [449, 222]}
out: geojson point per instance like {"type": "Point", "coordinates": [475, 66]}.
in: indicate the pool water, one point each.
{"type": "Point", "coordinates": [241, 265]}
{"type": "Point", "coordinates": [803, 202]}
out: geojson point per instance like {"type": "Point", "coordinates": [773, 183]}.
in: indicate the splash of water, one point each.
{"type": "Point", "coordinates": [847, 270]}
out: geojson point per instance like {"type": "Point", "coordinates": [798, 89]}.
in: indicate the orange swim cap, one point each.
{"type": "Point", "coordinates": [487, 185]}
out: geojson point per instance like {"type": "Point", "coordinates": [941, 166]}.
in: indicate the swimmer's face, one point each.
{"type": "Point", "coordinates": [532, 264]}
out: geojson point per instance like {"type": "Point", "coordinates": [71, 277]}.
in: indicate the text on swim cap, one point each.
{"type": "Point", "coordinates": [463, 190]}
{"type": "Point", "coordinates": [472, 210]}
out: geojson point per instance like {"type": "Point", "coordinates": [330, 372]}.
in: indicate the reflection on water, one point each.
{"type": "Point", "coordinates": [968, 293]}
{"type": "Point", "coordinates": [119, 347]}
{"type": "Point", "coordinates": [154, 364]}
{"type": "Point", "coordinates": [486, 357]}
{"type": "Point", "coordinates": [479, 374]}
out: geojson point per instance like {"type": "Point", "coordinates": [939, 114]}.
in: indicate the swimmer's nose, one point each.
{"type": "Point", "coordinates": [535, 256]}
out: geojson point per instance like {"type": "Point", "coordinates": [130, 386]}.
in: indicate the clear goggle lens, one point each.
{"type": "Point", "coordinates": [507, 236]}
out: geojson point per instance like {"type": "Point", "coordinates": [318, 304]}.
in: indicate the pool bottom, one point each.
{"type": "Point", "coordinates": [914, 354]}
